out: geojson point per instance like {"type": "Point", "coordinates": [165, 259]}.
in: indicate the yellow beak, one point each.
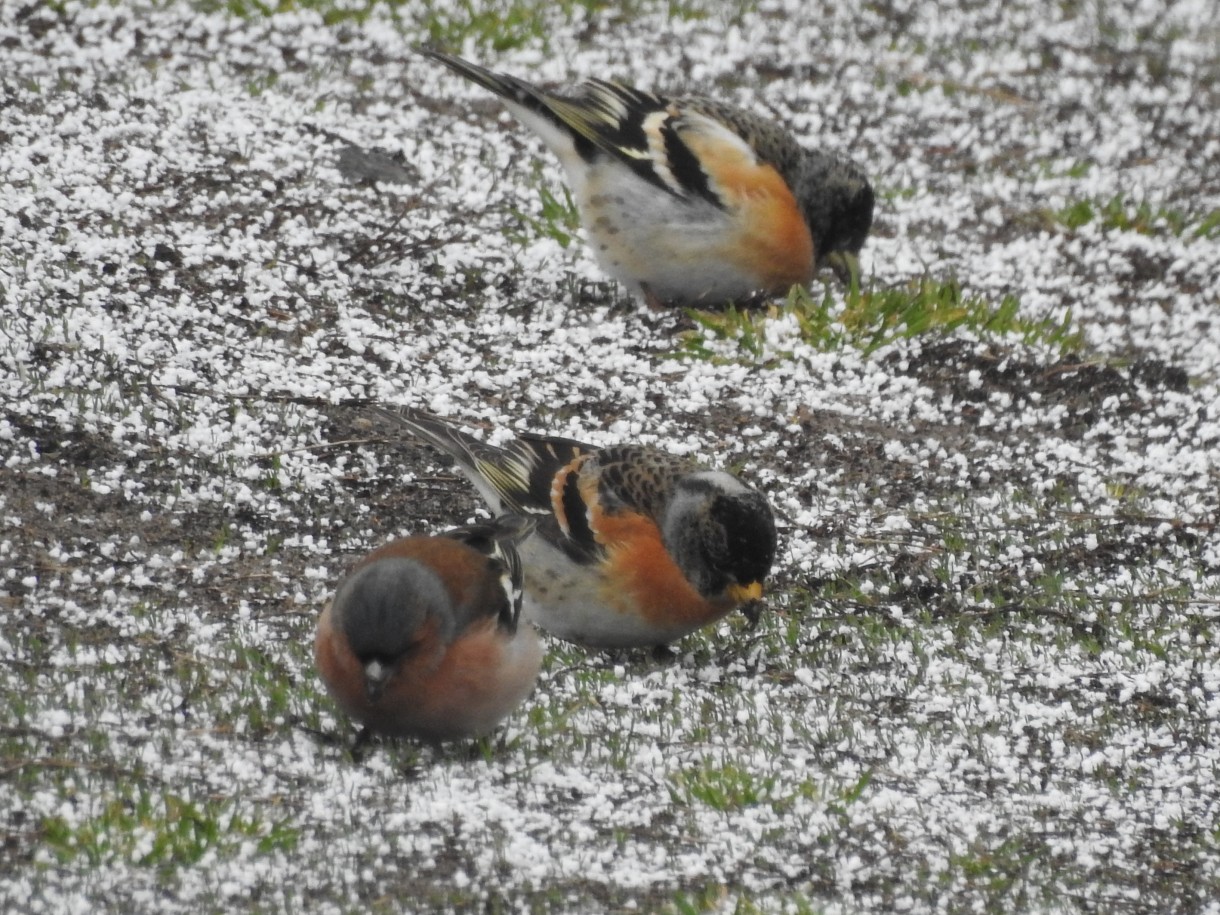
{"type": "Point", "coordinates": [846, 267]}
{"type": "Point", "coordinates": [742, 593]}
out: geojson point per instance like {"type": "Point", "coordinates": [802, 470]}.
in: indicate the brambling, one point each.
{"type": "Point", "coordinates": [688, 200]}
{"type": "Point", "coordinates": [422, 637]}
{"type": "Point", "coordinates": [632, 547]}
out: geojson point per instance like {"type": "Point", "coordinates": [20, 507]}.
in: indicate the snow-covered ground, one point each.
{"type": "Point", "coordinates": [991, 677]}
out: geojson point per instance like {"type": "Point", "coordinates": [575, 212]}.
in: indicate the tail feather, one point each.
{"type": "Point", "coordinates": [436, 431]}
{"type": "Point", "coordinates": [508, 87]}
{"type": "Point", "coordinates": [470, 454]}
{"type": "Point", "coordinates": [601, 118]}
{"type": "Point", "coordinates": [515, 479]}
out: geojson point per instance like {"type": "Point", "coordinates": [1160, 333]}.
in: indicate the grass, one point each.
{"type": "Point", "coordinates": [723, 787]}
{"type": "Point", "coordinates": [160, 829]}
{"type": "Point", "coordinates": [123, 813]}
{"type": "Point", "coordinates": [497, 25]}
{"type": "Point", "coordinates": [869, 318]}
{"type": "Point", "coordinates": [557, 216]}
{"type": "Point", "coordinates": [1121, 214]}
{"type": "Point", "coordinates": [856, 654]}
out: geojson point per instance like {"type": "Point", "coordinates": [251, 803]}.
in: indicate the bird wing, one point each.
{"type": "Point", "coordinates": [498, 541]}
{"type": "Point", "coordinates": [595, 494]}
{"type": "Point", "coordinates": [638, 479]}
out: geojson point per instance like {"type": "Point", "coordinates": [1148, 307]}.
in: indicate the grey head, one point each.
{"type": "Point", "coordinates": [721, 534]}
{"type": "Point", "coordinates": [380, 609]}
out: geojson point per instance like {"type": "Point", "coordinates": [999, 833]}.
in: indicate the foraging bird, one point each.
{"type": "Point", "coordinates": [422, 637]}
{"type": "Point", "coordinates": [688, 200]}
{"type": "Point", "coordinates": [632, 547]}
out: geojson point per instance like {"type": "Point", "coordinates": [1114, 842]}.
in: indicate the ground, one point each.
{"type": "Point", "coordinates": [988, 675]}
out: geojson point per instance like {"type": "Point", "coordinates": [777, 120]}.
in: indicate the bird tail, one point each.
{"type": "Point", "coordinates": [515, 479]}
{"type": "Point", "coordinates": [435, 431]}
{"type": "Point", "coordinates": [498, 539]}
{"type": "Point", "coordinates": [474, 457]}
{"type": "Point", "coordinates": [504, 85]}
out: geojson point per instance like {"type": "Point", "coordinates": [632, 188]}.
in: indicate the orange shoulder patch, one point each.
{"type": "Point", "coordinates": [769, 237]}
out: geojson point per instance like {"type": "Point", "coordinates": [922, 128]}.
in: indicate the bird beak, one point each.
{"type": "Point", "coordinates": [375, 676]}
{"type": "Point", "coordinates": [845, 266]}
{"type": "Point", "coordinates": [742, 593]}
{"type": "Point", "coordinates": [752, 611]}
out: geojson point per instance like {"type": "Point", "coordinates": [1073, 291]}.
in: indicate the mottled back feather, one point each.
{"type": "Point", "coordinates": [637, 478]}
{"type": "Point", "coordinates": [528, 474]}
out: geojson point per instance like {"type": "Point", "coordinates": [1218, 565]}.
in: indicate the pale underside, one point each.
{"type": "Point", "coordinates": [574, 602]}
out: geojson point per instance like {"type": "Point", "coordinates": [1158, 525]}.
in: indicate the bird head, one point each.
{"type": "Point", "coordinates": [721, 534]}
{"type": "Point", "coordinates": [837, 201]}
{"type": "Point", "coordinates": [382, 609]}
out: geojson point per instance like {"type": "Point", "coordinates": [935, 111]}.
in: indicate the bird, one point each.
{"type": "Point", "coordinates": [632, 547]}
{"type": "Point", "coordinates": [423, 637]}
{"type": "Point", "coordinates": [688, 200]}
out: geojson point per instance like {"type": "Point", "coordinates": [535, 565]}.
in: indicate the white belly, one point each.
{"type": "Point", "coordinates": [569, 601]}
{"type": "Point", "coordinates": [641, 235]}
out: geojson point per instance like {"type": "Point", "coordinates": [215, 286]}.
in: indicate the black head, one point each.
{"type": "Point", "coordinates": [837, 201]}
{"type": "Point", "coordinates": [721, 534]}
{"type": "Point", "coordinates": [748, 540]}
{"type": "Point", "coordinates": [850, 221]}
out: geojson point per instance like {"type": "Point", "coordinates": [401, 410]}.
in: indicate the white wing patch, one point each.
{"type": "Point", "coordinates": [654, 129]}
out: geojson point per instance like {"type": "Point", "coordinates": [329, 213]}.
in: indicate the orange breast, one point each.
{"type": "Point", "coordinates": [640, 577]}
{"type": "Point", "coordinates": [771, 238]}
{"type": "Point", "coordinates": [480, 680]}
